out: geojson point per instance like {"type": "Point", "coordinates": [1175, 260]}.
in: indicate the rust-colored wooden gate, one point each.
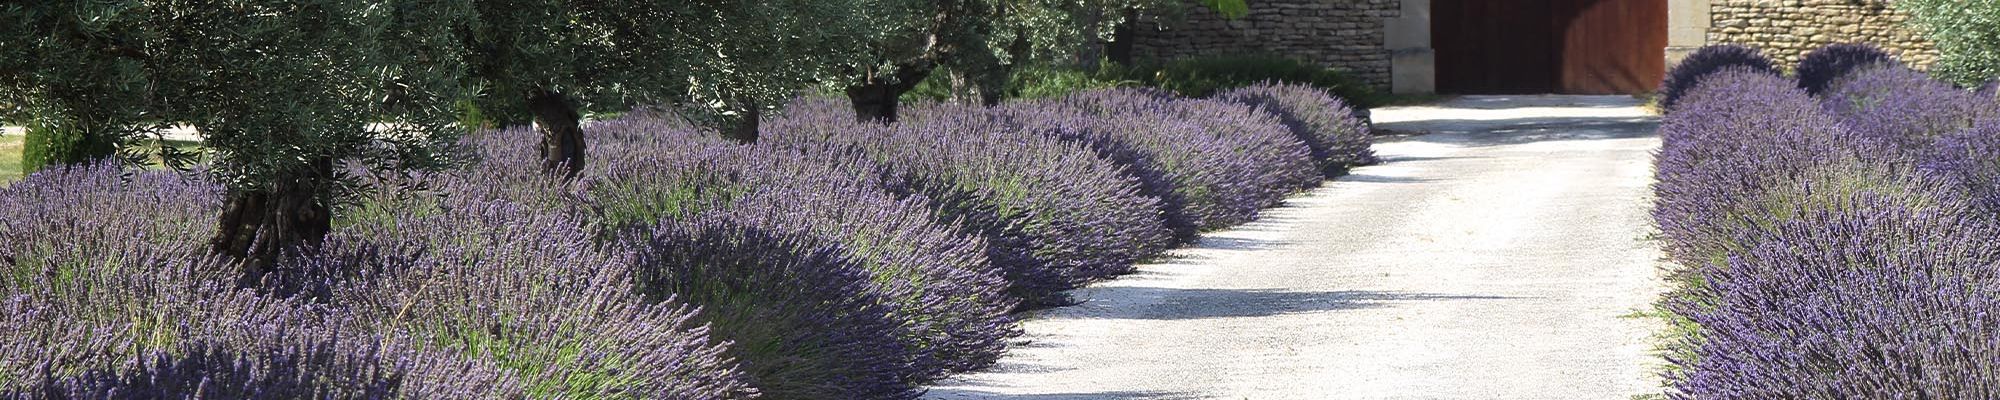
{"type": "Point", "coordinates": [1549, 46]}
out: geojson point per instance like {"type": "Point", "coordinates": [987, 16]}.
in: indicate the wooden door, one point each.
{"type": "Point", "coordinates": [1493, 46]}
{"type": "Point", "coordinates": [1549, 46]}
{"type": "Point", "coordinates": [1611, 46]}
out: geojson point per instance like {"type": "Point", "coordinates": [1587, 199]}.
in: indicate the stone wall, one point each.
{"type": "Point", "coordinates": [1343, 34]}
{"type": "Point", "coordinates": [1787, 29]}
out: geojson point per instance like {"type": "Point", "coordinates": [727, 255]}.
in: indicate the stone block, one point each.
{"type": "Point", "coordinates": [1413, 71]}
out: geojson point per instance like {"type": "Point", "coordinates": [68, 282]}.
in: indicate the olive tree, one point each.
{"type": "Point", "coordinates": [549, 60]}
{"type": "Point", "coordinates": [282, 93]}
{"type": "Point", "coordinates": [980, 42]}
{"type": "Point", "coordinates": [908, 40]}
{"type": "Point", "coordinates": [1967, 34]}
{"type": "Point", "coordinates": [77, 114]}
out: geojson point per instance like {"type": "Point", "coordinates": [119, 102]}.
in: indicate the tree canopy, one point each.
{"type": "Point", "coordinates": [281, 92]}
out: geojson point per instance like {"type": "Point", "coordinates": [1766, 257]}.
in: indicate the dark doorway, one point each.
{"type": "Point", "coordinates": [1549, 46]}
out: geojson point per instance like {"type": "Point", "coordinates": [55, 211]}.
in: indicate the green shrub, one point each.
{"type": "Point", "coordinates": [1045, 81]}
{"type": "Point", "coordinates": [1967, 34]}
{"type": "Point", "coordinates": [1204, 76]}
{"type": "Point", "coordinates": [1025, 82]}
{"type": "Point", "coordinates": [54, 146]}
{"type": "Point", "coordinates": [1192, 77]}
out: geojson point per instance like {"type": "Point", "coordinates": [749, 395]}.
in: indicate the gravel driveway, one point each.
{"type": "Point", "coordinates": [1502, 256]}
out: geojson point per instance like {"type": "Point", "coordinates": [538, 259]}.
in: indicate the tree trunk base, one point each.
{"type": "Point", "coordinates": [743, 129]}
{"type": "Point", "coordinates": [562, 133]}
{"type": "Point", "coordinates": [259, 227]}
{"type": "Point", "coordinates": [875, 102]}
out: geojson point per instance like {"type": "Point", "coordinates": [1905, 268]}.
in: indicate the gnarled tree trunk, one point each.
{"type": "Point", "coordinates": [562, 132]}
{"type": "Point", "coordinates": [1119, 51]}
{"type": "Point", "coordinates": [258, 226]}
{"type": "Point", "coordinates": [743, 129]}
{"type": "Point", "coordinates": [878, 99]}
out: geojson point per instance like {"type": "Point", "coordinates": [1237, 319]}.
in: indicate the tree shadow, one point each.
{"type": "Point", "coordinates": [1495, 132]}
{"type": "Point", "coordinates": [1419, 159]}
{"type": "Point", "coordinates": [1153, 303]}
{"type": "Point", "coordinates": [1502, 102]}
{"type": "Point", "coordinates": [1233, 243]}
{"type": "Point", "coordinates": [1371, 178]}
{"type": "Point", "coordinates": [952, 394]}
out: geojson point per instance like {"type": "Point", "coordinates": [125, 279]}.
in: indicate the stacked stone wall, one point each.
{"type": "Point", "coordinates": [1342, 34]}
{"type": "Point", "coordinates": [1787, 29]}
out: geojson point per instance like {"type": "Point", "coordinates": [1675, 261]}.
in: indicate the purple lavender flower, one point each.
{"type": "Point", "coordinates": [1204, 179]}
{"type": "Point", "coordinates": [1054, 213]}
{"type": "Point", "coordinates": [1822, 67]}
{"type": "Point", "coordinates": [1709, 59]}
{"type": "Point", "coordinates": [1288, 164]}
{"type": "Point", "coordinates": [524, 289]}
{"type": "Point", "coordinates": [1905, 106]}
{"type": "Point", "coordinates": [1325, 123]}
{"type": "Point", "coordinates": [1882, 292]}
{"type": "Point", "coordinates": [937, 279]}
{"type": "Point", "coordinates": [804, 318]}
{"type": "Point", "coordinates": [1733, 135]}
{"type": "Point", "coordinates": [1971, 159]}
{"type": "Point", "coordinates": [120, 299]}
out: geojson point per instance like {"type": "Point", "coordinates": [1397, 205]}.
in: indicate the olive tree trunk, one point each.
{"type": "Point", "coordinates": [878, 99]}
{"type": "Point", "coordinates": [258, 226]}
{"type": "Point", "coordinates": [743, 128]}
{"type": "Point", "coordinates": [1119, 51]}
{"type": "Point", "coordinates": [562, 132]}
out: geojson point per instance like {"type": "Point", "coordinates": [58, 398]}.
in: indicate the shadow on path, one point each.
{"type": "Point", "coordinates": [1188, 304]}
{"type": "Point", "coordinates": [1367, 178]}
{"type": "Point", "coordinates": [1478, 133]}
{"type": "Point", "coordinates": [974, 394]}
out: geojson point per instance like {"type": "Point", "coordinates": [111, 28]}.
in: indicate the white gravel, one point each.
{"type": "Point", "coordinates": [1501, 257]}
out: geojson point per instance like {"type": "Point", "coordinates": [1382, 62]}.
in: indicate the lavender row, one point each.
{"type": "Point", "coordinates": [109, 294]}
{"type": "Point", "coordinates": [836, 259]}
{"type": "Point", "coordinates": [1054, 214]}
{"type": "Point", "coordinates": [1833, 246]}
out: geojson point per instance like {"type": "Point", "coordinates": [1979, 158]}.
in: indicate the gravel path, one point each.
{"type": "Point", "coordinates": [1502, 256]}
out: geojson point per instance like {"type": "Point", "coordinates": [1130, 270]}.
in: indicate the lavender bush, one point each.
{"type": "Point", "coordinates": [1055, 214]}
{"type": "Point", "coordinates": [1970, 159]}
{"type": "Point", "coordinates": [1736, 132]}
{"type": "Point", "coordinates": [1709, 59]}
{"type": "Point", "coordinates": [1201, 179]}
{"type": "Point", "coordinates": [1820, 68]}
{"type": "Point", "coordinates": [119, 299]}
{"type": "Point", "coordinates": [526, 290]}
{"type": "Point", "coordinates": [1288, 164]}
{"type": "Point", "coordinates": [1833, 248]}
{"type": "Point", "coordinates": [1266, 141]}
{"type": "Point", "coordinates": [834, 260]}
{"type": "Point", "coordinates": [1905, 106]}
{"type": "Point", "coordinates": [1338, 140]}
{"type": "Point", "coordinates": [951, 299]}
{"type": "Point", "coordinates": [947, 301]}
{"type": "Point", "coordinates": [92, 207]}
{"type": "Point", "coordinates": [805, 319]}
{"type": "Point", "coordinates": [1862, 295]}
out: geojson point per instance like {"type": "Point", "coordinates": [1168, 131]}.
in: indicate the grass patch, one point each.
{"type": "Point", "coordinates": [10, 157]}
{"type": "Point", "coordinates": [13, 142]}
